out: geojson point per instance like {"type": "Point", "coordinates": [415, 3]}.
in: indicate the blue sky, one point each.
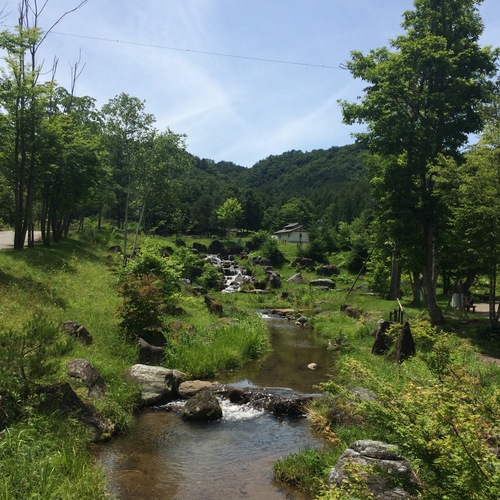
{"type": "Point", "coordinates": [237, 109]}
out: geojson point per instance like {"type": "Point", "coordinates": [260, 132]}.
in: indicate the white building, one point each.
{"type": "Point", "coordinates": [292, 233]}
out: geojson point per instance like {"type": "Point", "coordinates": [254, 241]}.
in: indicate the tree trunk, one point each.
{"type": "Point", "coordinates": [395, 289]}
{"type": "Point", "coordinates": [429, 276]}
{"type": "Point", "coordinates": [493, 286]}
{"type": "Point", "coordinates": [417, 288]}
{"type": "Point", "coordinates": [134, 246]}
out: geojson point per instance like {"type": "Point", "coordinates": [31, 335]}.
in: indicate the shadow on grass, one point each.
{"type": "Point", "coordinates": [61, 255]}
{"type": "Point", "coordinates": [37, 291]}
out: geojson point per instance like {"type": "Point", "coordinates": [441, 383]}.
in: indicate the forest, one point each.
{"type": "Point", "coordinates": [411, 209]}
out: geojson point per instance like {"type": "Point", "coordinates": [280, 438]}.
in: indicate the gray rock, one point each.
{"type": "Point", "coordinates": [150, 354]}
{"type": "Point", "coordinates": [302, 320]}
{"type": "Point", "coordinates": [214, 306]}
{"type": "Point", "coordinates": [323, 282]}
{"type": "Point", "coordinates": [78, 331]}
{"type": "Point", "coordinates": [216, 248]}
{"type": "Point", "coordinates": [84, 371]}
{"type": "Point", "coordinates": [389, 474]}
{"type": "Point", "coordinates": [158, 385]}
{"type": "Point", "coordinates": [405, 345]}
{"type": "Point", "coordinates": [191, 387]}
{"type": "Point", "coordinates": [328, 270]}
{"type": "Point", "coordinates": [203, 406]}
{"type": "Point", "coordinates": [303, 262]}
{"type": "Point", "coordinates": [383, 341]}
{"type": "Point", "coordinates": [296, 278]}
{"type": "Point", "coordinates": [61, 398]}
{"type": "Point", "coordinates": [273, 280]}
{"type": "Point", "coordinates": [200, 247]}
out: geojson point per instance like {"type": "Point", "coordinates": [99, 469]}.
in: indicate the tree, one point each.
{"type": "Point", "coordinates": [162, 158]}
{"type": "Point", "coordinates": [127, 127]}
{"type": "Point", "coordinates": [229, 213]}
{"type": "Point", "coordinates": [299, 210]}
{"type": "Point", "coordinates": [24, 99]}
{"type": "Point", "coordinates": [423, 99]}
{"type": "Point", "coordinates": [472, 191]}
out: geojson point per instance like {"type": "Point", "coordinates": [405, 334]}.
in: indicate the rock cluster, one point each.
{"type": "Point", "coordinates": [388, 475]}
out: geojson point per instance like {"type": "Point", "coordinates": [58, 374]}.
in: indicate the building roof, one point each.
{"type": "Point", "coordinates": [290, 228]}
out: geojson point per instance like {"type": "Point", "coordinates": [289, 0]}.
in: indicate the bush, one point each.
{"type": "Point", "coordinates": [258, 239]}
{"type": "Point", "coordinates": [29, 355]}
{"type": "Point", "coordinates": [90, 233]}
{"type": "Point", "coordinates": [211, 277]}
{"type": "Point", "coordinates": [189, 264]}
{"type": "Point", "coordinates": [143, 304]}
{"type": "Point", "coordinates": [270, 250]}
{"type": "Point", "coordinates": [149, 261]}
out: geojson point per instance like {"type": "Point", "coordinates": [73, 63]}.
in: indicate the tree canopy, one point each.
{"type": "Point", "coordinates": [424, 96]}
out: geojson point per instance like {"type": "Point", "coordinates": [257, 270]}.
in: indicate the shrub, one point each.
{"type": "Point", "coordinates": [258, 239]}
{"type": "Point", "coordinates": [149, 261]}
{"type": "Point", "coordinates": [189, 264]}
{"type": "Point", "coordinates": [270, 250]}
{"type": "Point", "coordinates": [91, 233]}
{"type": "Point", "coordinates": [211, 277]}
{"type": "Point", "coordinates": [28, 356]}
{"type": "Point", "coordinates": [143, 304]}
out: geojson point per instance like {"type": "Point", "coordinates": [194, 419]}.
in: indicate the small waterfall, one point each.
{"type": "Point", "coordinates": [234, 276]}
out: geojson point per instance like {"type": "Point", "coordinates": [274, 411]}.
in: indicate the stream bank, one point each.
{"type": "Point", "coordinates": [165, 457]}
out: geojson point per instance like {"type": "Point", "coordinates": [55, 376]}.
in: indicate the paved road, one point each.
{"type": "Point", "coordinates": [7, 238]}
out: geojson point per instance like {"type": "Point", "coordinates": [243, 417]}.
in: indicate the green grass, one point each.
{"type": "Point", "coordinates": [46, 457]}
{"type": "Point", "coordinates": [208, 351]}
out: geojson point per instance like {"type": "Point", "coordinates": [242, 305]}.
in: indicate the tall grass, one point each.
{"type": "Point", "coordinates": [46, 457]}
{"type": "Point", "coordinates": [211, 350]}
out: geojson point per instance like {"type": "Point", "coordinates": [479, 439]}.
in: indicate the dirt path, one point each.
{"type": "Point", "coordinates": [7, 238]}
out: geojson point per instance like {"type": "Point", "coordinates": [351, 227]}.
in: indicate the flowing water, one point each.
{"type": "Point", "coordinates": [164, 457]}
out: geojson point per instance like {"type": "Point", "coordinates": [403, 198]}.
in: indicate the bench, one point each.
{"type": "Point", "coordinates": [468, 307]}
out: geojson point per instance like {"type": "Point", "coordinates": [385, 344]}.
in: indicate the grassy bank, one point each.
{"type": "Point", "coordinates": [440, 408]}
{"type": "Point", "coordinates": [47, 455]}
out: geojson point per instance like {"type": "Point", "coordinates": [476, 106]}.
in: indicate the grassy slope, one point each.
{"type": "Point", "coordinates": [43, 455]}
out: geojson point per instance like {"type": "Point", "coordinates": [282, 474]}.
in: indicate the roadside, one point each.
{"type": "Point", "coordinates": [7, 238]}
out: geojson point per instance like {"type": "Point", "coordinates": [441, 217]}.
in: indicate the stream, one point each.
{"type": "Point", "coordinates": [165, 457]}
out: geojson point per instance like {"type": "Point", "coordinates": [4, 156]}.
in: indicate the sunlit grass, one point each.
{"type": "Point", "coordinates": [205, 353]}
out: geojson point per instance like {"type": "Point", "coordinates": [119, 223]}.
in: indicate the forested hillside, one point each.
{"type": "Point", "coordinates": [333, 183]}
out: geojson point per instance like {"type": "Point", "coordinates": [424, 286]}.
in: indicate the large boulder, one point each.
{"type": "Point", "coordinates": [154, 337]}
{"type": "Point", "coordinates": [203, 406]}
{"type": "Point", "coordinates": [84, 371]}
{"type": "Point", "coordinates": [273, 280]}
{"type": "Point", "coordinates": [200, 247]}
{"type": "Point", "coordinates": [214, 306]}
{"type": "Point", "coordinates": [405, 345]}
{"type": "Point", "coordinates": [328, 270]}
{"type": "Point", "coordinates": [63, 399]}
{"type": "Point", "coordinates": [304, 263]}
{"type": "Point", "coordinates": [216, 248]}
{"type": "Point", "coordinates": [158, 385]}
{"type": "Point", "coordinates": [323, 283]}
{"type": "Point", "coordinates": [277, 401]}
{"type": "Point", "coordinates": [383, 341]}
{"type": "Point", "coordinates": [296, 278]}
{"type": "Point", "coordinates": [388, 474]}
{"type": "Point", "coordinates": [189, 388]}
